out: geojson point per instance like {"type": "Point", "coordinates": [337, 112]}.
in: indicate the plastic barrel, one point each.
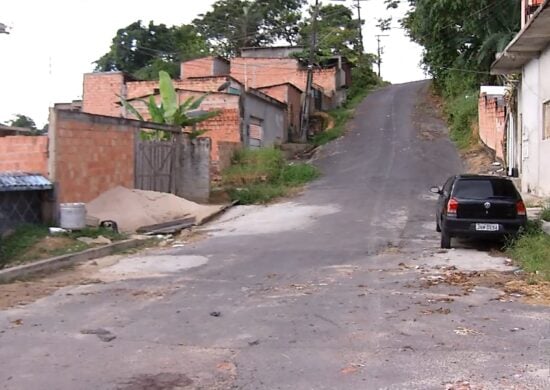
{"type": "Point", "coordinates": [72, 215]}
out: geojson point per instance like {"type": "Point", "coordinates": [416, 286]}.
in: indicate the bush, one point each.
{"type": "Point", "coordinates": [531, 249]}
{"type": "Point", "coordinates": [258, 176]}
{"type": "Point", "coordinates": [341, 117]}
{"type": "Point", "coordinates": [545, 214]}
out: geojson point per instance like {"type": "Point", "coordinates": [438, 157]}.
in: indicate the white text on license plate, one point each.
{"type": "Point", "coordinates": [487, 227]}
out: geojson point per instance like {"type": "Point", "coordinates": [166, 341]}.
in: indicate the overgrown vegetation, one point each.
{"type": "Point", "coordinates": [545, 214]}
{"type": "Point", "coordinates": [461, 113]}
{"type": "Point", "coordinates": [259, 176]}
{"type": "Point", "coordinates": [531, 249]}
{"type": "Point", "coordinates": [28, 242]}
{"type": "Point", "coordinates": [460, 39]}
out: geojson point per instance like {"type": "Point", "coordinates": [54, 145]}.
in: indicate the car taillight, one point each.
{"type": "Point", "coordinates": [520, 208]}
{"type": "Point", "coordinates": [452, 206]}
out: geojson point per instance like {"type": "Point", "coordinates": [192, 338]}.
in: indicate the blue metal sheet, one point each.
{"type": "Point", "coordinates": [21, 181]}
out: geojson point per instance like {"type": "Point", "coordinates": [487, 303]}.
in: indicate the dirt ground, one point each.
{"type": "Point", "coordinates": [27, 291]}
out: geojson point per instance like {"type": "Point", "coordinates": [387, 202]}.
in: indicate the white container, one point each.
{"type": "Point", "coordinates": [72, 215]}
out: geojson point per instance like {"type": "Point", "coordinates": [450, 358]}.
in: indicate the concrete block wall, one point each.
{"type": "Point", "coordinates": [90, 154]}
{"type": "Point", "coordinates": [492, 121]}
{"type": "Point", "coordinates": [24, 154]}
{"type": "Point", "coordinates": [195, 184]}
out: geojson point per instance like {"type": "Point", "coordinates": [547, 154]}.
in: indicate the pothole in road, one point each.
{"type": "Point", "coordinates": [150, 266]}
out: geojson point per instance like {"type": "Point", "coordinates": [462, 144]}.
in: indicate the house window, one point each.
{"type": "Point", "coordinates": [546, 120]}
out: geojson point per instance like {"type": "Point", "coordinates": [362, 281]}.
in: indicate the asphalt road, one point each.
{"type": "Point", "coordinates": [328, 290]}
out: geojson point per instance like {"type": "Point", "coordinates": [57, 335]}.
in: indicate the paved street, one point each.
{"type": "Point", "coordinates": [341, 287]}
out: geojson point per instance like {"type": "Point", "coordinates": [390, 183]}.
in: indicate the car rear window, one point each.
{"type": "Point", "coordinates": [484, 188]}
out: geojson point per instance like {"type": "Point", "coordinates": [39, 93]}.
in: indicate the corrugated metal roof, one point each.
{"type": "Point", "coordinates": [21, 181]}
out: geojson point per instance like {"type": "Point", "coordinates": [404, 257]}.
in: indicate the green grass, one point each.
{"type": "Point", "coordinates": [545, 214]}
{"type": "Point", "coordinates": [341, 116]}
{"type": "Point", "coordinates": [17, 243]}
{"type": "Point", "coordinates": [532, 250]}
{"type": "Point", "coordinates": [259, 176]}
{"type": "Point", "coordinates": [461, 113]}
{"type": "Point", "coordinates": [17, 246]}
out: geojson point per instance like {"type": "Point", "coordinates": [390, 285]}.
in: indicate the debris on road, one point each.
{"type": "Point", "coordinates": [216, 314]}
{"type": "Point", "coordinates": [462, 331]}
{"type": "Point", "coordinates": [103, 334]}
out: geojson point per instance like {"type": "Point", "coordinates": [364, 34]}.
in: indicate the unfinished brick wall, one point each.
{"type": "Point", "coordinates": [492, 120]}
{"type": "Point", "coordinates": [24, 154]}
{"type": "Point", "coordinates": [100, 92]}
{"type": "Point", "coordinates": [225, 127]}
{"type": "Point", "coordinates": [91, 154]}
{"type": "Point", "coordinates": [202, 67]}
{"type": "Point", "coordinates": [261, 72]}
{"type": "Point", "coordinates": [226, 151]}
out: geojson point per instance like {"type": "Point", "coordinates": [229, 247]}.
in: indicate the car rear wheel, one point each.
{"type": "Point", "coordinates": [445, 240]}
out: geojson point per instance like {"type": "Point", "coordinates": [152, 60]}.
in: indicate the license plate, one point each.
{"type": "Point", "coordinates": [487, 227]}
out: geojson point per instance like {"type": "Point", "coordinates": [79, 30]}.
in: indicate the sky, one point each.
{"type": "Point", "coordinates": [52, 43]}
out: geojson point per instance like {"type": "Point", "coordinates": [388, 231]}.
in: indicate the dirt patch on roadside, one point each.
{"type": "Point", "coordinates": [25, 292]}
{"type": "Point", "coordinates": [478, 159]}
{"type": "Point", "coordinates": [427, 118]}
{"type": "Point", "coordinates": [534, 293]}
{"type": "Point", "coordinates": [513, 286]}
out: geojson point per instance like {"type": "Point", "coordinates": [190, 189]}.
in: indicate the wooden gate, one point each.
{"type": "Point", "coordinates": [155, 166]}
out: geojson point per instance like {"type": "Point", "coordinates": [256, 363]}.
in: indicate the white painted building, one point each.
{"type": "Point", "coordinates": [528, 131]}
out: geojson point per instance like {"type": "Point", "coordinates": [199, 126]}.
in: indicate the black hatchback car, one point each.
{"type": "Point", "coordinates": [478, 206]}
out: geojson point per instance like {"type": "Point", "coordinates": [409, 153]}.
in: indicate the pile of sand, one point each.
{"type": "Point", "coordinates": [132, 209]}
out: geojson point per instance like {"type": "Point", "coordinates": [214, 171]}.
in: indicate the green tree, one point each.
{"type": "Point", "coordinates": [233, 24]}
{"type": "Point", "coordinates": [170, 111]}
{"type": "Point", "coordinates": [337, 32]}
{"type": "Point", "coordinates": [143, 51]}
{"type": "Point", "coordinates": [22, 121]}
{"type": "Point", "coordinates": [461, 37]}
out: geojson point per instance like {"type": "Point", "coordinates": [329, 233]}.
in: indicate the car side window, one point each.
{"type": "Point", "coordinates": [447, 186]}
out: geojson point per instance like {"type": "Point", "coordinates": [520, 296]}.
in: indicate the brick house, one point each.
{"type": "Point", "coordinates": [263, 66]}
{"type": "Point", "coordinates": [250, 118]}
{"type": "Point", "coordinates": [492, 119]}
{"type": "Point", "coordinates": [247, 117]}
{"type": "Point", "coordinates": [260, 96]}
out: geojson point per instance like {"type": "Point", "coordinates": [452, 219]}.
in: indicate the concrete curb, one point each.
{"type": "Point", "coordinates": [55, 263]}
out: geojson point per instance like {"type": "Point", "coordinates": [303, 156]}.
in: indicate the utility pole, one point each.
{"type": "Point", "coordinates": [309, 81]}
{"type": "Point", "coordinates": [361, 47]}
{"type": "Point", "coordinates": [360, 27]}
{"type": "Point", "coordinates": [380, 52]}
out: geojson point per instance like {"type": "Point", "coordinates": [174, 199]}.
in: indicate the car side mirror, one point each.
{"type": "Point", "coordinates": [436, 190]}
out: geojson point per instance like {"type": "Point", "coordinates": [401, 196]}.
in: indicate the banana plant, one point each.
{"type": "Point", "coordinates": [170, 111]}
